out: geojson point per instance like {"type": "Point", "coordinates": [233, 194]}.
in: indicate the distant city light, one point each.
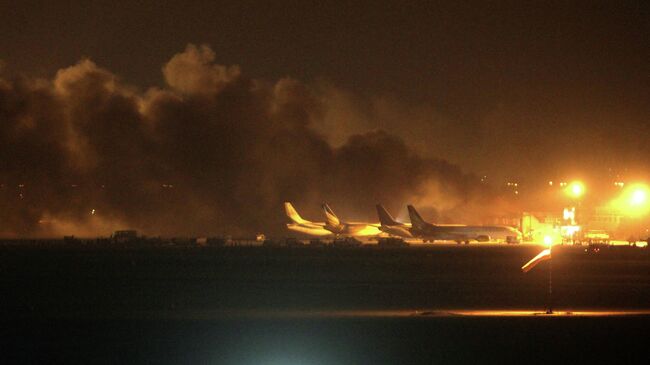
{"type": "Point", "coordinates": [550, 183]}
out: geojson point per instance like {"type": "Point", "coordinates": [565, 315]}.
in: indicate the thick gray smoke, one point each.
{"type": "Point", "coordinates": [213, 152]}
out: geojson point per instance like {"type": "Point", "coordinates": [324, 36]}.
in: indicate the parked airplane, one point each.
{"type": "Point", "coordinates": [298, 224]}
{"type": "Point", "coordinates": [354, 229]}
{"type": "Point", "coordinates": [332, 227]}
{"type": "Point", "coordinates": [389, 225]}
{"type": "Point", "coordinates": [399, 229]}
{"type": "Point", "coordinates": [429, 231]}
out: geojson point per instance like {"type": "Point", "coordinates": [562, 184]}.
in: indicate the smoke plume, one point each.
{"type": "Point", "coordinates": [213, 152]}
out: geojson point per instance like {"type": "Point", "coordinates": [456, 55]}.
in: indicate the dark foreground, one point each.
{"type": "Point", "coordinates": [282, 306]}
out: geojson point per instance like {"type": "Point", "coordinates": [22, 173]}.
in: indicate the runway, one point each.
{"type": "Point", "coordinates": [436, 304]}
{"type": "Point", "coordinates": [466, 280]}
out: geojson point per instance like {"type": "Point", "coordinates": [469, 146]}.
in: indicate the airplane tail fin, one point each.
{"type": "Point", "coordinates": [385, 218]}
{"type": "Point", "coordinates": [293, 214]}
{"type": "Point", "coordinates": [416, 220]}
{"type": "Point", "coordinates": [331, 218]}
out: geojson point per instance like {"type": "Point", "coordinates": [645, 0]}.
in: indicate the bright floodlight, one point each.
{"type": "Point", "coordinates": [548, 241]}
{"type": "Point", "coordinates": [639, 197]}
{"type": "Point", "coordinates": [634, 200]}
{"type": "Point", "coordinates": [576, 189]}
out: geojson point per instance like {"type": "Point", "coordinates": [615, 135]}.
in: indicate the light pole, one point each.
{"type": "Point", "coordinates": [542, 256]}
{"type": "Point", "coordinates": [549, 242]}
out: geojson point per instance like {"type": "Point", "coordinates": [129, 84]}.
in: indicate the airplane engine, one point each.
{"type": "Point", "coordinates": [483, 238]}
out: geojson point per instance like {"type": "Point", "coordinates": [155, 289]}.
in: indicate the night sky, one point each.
{"type": "Point", "coordinates": [349, 103]}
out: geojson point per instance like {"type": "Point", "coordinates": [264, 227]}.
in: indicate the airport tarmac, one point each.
{"type": "Point", "coordinates": [252, 305]}
{"type": "Point", "coordinates": [316, 314]}
{"type": "Point", "coordinates": [329, 340]}
{"type": "Point", "coordinates": [52, 281]}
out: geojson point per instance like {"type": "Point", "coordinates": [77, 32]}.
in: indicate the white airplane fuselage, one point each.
{"type": "Point", "coordinates": [311, 230]}
{"type": "Point", "coordinates": [467, 233]}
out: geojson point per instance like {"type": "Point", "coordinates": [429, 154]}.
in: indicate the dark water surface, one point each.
{"type": "Point", "coordinates": [185, 305]}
